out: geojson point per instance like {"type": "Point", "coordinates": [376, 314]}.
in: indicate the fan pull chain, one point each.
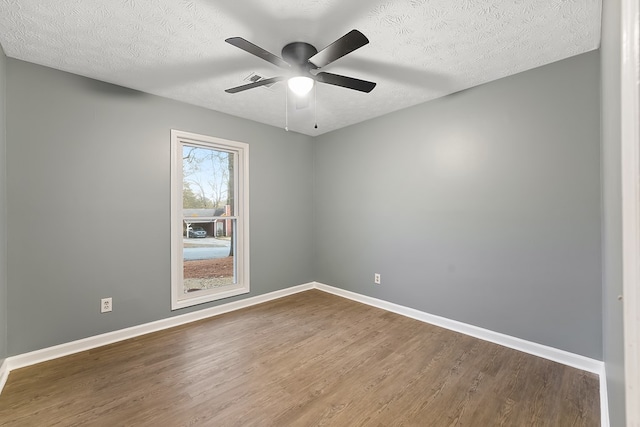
{"type": "Point", "coordinates": [286, 108]}
{"type": "Point", "coordinates": [315, 105]}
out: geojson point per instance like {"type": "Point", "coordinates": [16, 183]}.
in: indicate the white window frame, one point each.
{"type": "Point", "coordinates": [240, 150]}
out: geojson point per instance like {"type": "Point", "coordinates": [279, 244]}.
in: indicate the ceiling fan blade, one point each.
{"type": "Point", "coordinates": [259, 83]}
{"type": "Point", "coordinates": [344, 81]}
{"type": "Point", "coordinates": [247, 46]}
{"type": "Point", "coordinates": [351, 41]}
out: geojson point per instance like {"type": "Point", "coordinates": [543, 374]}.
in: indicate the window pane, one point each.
{"type": "Point", "coordinates": [207, 182]}
{"type": "Point", "coordinates": [208, 261]}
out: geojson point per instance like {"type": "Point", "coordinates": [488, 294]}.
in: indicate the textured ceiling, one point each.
{"type": "Point", "coordinates": [419, 49]}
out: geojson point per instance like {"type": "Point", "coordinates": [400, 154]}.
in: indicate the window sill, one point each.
{"type": "Point", "coordinates": [213, 295]}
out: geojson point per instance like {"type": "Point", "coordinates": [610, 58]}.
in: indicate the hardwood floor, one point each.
{"type": "Point", "coordinates": [310, 359]}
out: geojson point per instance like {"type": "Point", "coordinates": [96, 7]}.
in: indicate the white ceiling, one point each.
{"type": "Point", "coordinates": [419, 49]}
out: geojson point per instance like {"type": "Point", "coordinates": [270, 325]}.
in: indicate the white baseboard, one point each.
{"type": "Point", "coordinates": [550, 353]}
{"type": "Point", "coordinates": [560, 356]}
{"type": "Point", "coordinates": [546, 352]}
{"type": "Point", "coordinates": [49, 353]}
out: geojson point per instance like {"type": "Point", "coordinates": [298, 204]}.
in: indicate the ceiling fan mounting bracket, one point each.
{"type": "Point", "coordinates": [298, 54]}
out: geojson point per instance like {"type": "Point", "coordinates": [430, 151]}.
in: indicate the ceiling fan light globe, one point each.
{"type": "Point", "coordinates": [300, 85]}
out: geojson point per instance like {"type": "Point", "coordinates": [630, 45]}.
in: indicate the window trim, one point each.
{"type": "Point", "coordinates": [241, 212]}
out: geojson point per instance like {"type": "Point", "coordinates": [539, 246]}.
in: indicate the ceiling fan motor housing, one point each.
{"type": "Point", "coordinates": [297, 54]}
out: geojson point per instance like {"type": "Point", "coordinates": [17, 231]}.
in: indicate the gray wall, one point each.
{"type": "Point", "coordinates": [88, 204]}
{"type": "Point", "coordinates": [3, 209]}
{"type": "Point", "coordinates": [483, 206]}
{"type": "Point", "coordinates": [612, 211]}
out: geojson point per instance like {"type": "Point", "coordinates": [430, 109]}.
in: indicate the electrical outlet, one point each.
{"type": "Point", "coordinates": [106, 305]}
{"type": "Point", "coordinates": [376, 278]}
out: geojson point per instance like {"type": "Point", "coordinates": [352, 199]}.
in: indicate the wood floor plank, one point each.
{"type": "Point", "coordinates": [310, 359]}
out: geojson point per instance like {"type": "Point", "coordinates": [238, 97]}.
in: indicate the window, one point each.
{"type": "Point", "coordinates": [209, 219]}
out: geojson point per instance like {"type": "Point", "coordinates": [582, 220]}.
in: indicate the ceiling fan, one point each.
{"type": "Point", "coordinates": [302, 60]}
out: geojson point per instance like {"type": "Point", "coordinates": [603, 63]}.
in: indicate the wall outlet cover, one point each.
{"type": "Point", "coordinates": [106, 305]}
